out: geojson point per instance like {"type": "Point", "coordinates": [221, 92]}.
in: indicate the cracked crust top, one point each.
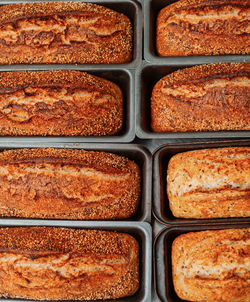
{"type": "Point", "coordinates": [48, 263]}
{"type": "Point", "coordinates": [59, 102]}
{"type": "Point", "coordinates": [63, 32]}
{"type": "Point", "coordinates": [190, 27]}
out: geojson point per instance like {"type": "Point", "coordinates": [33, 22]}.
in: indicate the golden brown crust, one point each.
{"type": "Point", "coordinates": [202, 98]}
{"type": "Point", "coordinates": [212, 266]}
{"type": "Point", "coordinates": [191, 27]}
{"type": "Point", "coordinates": [63, 32]}
{"type": "Point", "coordinates": [210, 183]}
{"type": "Point", "coordinates": [44, 263]}
{"type": "Point", "coordinates": [68, 184]}
{"type": "Point", "coordinates": [59, 103]}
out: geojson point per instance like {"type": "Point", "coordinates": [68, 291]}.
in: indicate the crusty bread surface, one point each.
{"type": "Point", "coordinates": [59, 102]}
{"type": "Point", "coordinates": [210, 183]}
{"type": "Point", "coordinates": [202, 98]}
{"type": "Point", "coordinates": [63, 32]}
{"type": "Point", "coordinates": [68, 184]}
{"type": "Point", "coordinates": [45, 263]}
{"type": "Point", "coordinates": [203, 27]}
{"type": "Point", "coordinates": [212, 266]}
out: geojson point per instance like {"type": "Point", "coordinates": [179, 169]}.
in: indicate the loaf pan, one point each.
{"type": "Point", "coordinates": [130, 8]}
{"type": "Point", "coordinates": [161, 158]}
{"type": "Point", "coordinates": [122, 77]}
{"type": "Point", "coordinates": [146, 78]}
{"type": "Point", "coordinates": [139, 230]}
{"type": "Point", "coordinates": [151, 10]}
{"type": "Point", "coordinates": [134, 152]}
{"type": "Point", "coordinates": [162, 248]}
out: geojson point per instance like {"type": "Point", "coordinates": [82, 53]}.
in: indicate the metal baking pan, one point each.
{"type": "Point", "coordinates": [146, 78]}
{"type": "Point", "coordinates": [162, 248]}
{"type": "Point", "coordinates": [139, 230]}
{"type": "Point", "coordinates": [151, 10]}
{"type": "Point", "coordinates": [130, 8]}
{"type": "Point", "coordinates": [138, 154]}
{"type": "Point", "coordinates": [157, 228]}
{"type": "Point", "coordinates": [122, 77]}
{"type": "Point", "coordinates": [161, 157]}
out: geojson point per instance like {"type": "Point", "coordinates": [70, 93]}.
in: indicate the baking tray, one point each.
{"type": "Point", "coordinates": [146, 77]}
{"type": "Point", "coordinates": [140, 230]}
{"type": "Point", "coordinates": [162, 270]}
{"type": "Point", "coordinates": [122, 77]}
{"type": "Point", "coordinates": [151, 10]}
{"type": "Point", "coordinates": [161, 157]}
{"type": "Point", "coordinates": [130, 8]}
{"type": "Point", "coordinates": [157, 228]}
{"type": "Point", "coordinates": [136, 153]}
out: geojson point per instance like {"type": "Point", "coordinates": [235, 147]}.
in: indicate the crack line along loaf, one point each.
{"type": "Point", "coordinates": [63, 32]}
{"type": "Point", "coordinates": [204, 27]}
{"type": "Point", "coordinates": [53, 103]}
{"type": "Point", "coordinates": [45, 263]}
{"type": "Point", "coordinates": [202, 98]}
{"type": "Point", "coordinates": [68, 184]}
{"type": "Point", "coordinates": [210, 183]}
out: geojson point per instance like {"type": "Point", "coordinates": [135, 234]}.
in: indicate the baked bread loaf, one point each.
{"type": "Point", "coordinates": [63, 32]}
{"type": "Point", "coordinates": [68, 184]}
{"type": "Point", "coordinates": [44, 263]}
{"type": "Point", "coordinates": [59, 103]}
{"type": "Point", "coordinates": [202, 98]}
{"type": "Point", "coordinates": [212, 266]}
{"type": "Point", "coordinates": [210, 183]}
{"type": "Point", "coordinates": [203, 27]}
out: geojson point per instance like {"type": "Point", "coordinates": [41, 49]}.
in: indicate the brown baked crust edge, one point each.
{"type": "Point", "coordinates": [202, 71]}
{"type": "Point", "coordinates": [103, 161]}
{"type": "Point", "coordinates": [71, 78]}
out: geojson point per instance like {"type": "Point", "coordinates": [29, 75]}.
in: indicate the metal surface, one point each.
{"type": "Point", "coordinates": [157, 228]}
{"type": "Point", "coordinates": [161, 158]}
{"type": "Point", "coordinates": [122, 77]}
{"type": "Point", "coordinates": [136, 80]}
{"type": "Point", "coordinates": [137, 153]}
{"type": "Point", "coordinates": [140, 230]}
{"type": "Point", "coordinates": [146, 77]}
{"type": "Point", "coordinates": [162, 248]}
{"type": "Point", "coordinates": [130, 8]}
{"type": "Point", "coordinates": [151, 10]}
